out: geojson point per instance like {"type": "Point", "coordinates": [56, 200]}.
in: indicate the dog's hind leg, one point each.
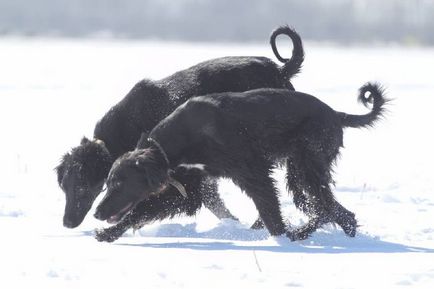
{"type": "Point", "coordinates": [336, 213]}
{"type": "Point", "coordinates": [308, 184]}
{"type": "Point", "coordinates": [256, 182]}
{"type": "Point", "coordinates": [294, 185]}
{"type": "Point", "coordinates": [321, 202]}
{"type": "Point", "coordinates": [345, 219]}
{"type": "Point", "coordinates": [212, 201]}
{"type": "Point", "coordinates": [258, 224]}
{"type": "Point", "coordinates": [309, 178]}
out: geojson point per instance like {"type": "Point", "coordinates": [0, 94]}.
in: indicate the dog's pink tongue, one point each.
{"type": "Point", "coordinates": [112, 220]}
{"type": "Point", "coordinates": [115, 218]}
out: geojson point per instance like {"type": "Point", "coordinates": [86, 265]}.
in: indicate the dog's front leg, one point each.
{"type": "Point", "coordinates": [114, 232]}
{"type": "Point", "coordinates": [258, 185]}
{"type": "Point", "coordinates": [166, 204]}
{"type": "Point", "coordinates": [155, 208]}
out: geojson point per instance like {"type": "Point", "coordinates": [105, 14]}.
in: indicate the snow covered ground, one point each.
{"type": "Point", "coordinates": [53, 91]}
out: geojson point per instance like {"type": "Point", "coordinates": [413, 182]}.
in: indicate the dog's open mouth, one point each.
{"type": "Point", "coordinates": [117, 217]}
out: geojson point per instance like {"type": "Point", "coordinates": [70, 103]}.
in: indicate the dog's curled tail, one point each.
{"type": "Point", "coordinates": [293, 65]}
{"type": "Point", "coordinates": [376, 97]}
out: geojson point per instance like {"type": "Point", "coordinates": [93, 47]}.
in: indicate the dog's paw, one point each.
{"type": "Point", "coordinates": [350, 227]}
{"type": "Point", "coordinates": [348, 223]}
{"type": "Point", "coordinates": [258, 225]}
{"type": "Point", "coordinates": [107, 235]}
{"type": "Point", "coordinates": [304, 232]}
{"type": "Point", "coordinates": [297, 235]}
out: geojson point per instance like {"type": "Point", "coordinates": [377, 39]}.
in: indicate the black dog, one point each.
{"type": "Point", "coordinates": [243, 136]}
{"type": "Point", "coordinates": [82, 172]}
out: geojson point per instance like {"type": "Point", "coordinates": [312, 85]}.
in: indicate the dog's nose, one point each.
{"type": "Point", "coordinates": [68, 223]}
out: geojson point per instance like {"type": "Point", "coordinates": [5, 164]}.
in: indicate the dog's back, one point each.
{"type": "Point", "coordinates": [268, 120]}
{"type": "Point", "coordinates": [151, 101]}
{"type": "Point", "coordinates": [261, 113]}
{"type": "Point", "coordinates": [268, 105]}
{"type": "Point", "coordinates": [232, 73]}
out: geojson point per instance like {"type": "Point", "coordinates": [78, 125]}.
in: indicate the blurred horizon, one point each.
{"type": "Point", "coordinates": [408, 22]}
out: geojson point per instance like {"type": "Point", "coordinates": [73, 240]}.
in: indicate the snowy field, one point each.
{"type": "Point", "coordinates": [52, 92]}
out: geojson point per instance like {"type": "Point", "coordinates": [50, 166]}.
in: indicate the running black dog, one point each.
{"type": "Point", "coordinates": [82, 172]}
{"type": "Point", "coordinates": [243, 136]}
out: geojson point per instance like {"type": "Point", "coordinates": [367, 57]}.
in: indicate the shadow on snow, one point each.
{"type": "Point", "coordinates": [328, 240]}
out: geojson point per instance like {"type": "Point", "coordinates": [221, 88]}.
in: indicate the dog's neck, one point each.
{"type": "Point", "coordinates": [171, 180]}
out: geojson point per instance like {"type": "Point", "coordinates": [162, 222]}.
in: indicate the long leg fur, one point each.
{"type": "Point", "coordinates": [309, 178]}
{"type": "Point", "coordinates": [257, 184]}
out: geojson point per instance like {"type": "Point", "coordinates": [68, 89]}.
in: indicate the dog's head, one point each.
{"type": "Point", "coordinates": [134, 177]}
{"type": "Point", "coordinates": [81, 175]}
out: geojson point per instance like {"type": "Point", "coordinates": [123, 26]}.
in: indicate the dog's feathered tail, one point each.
{"type": "Point", "coordinates": [293, 65]}
{"type": "Point", "coordinates": [376, 97]}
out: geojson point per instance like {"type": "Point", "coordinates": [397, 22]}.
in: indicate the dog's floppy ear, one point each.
{"type": "Point", "coordinates": [141, 161]}
{"type": "Point", "coordinates": [60, 169]}
{"type": "Point", "coordinates": [84, 141]}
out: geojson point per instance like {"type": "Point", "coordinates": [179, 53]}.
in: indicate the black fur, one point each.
{"type": "Point", "coordinates": [291, 66]}
{"type": "Point", "coordinates": [81, 175]}
{"type": "Point", "coordinates": [148, 103]}
{"type": "Point", "coordinates": [243, 136]}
